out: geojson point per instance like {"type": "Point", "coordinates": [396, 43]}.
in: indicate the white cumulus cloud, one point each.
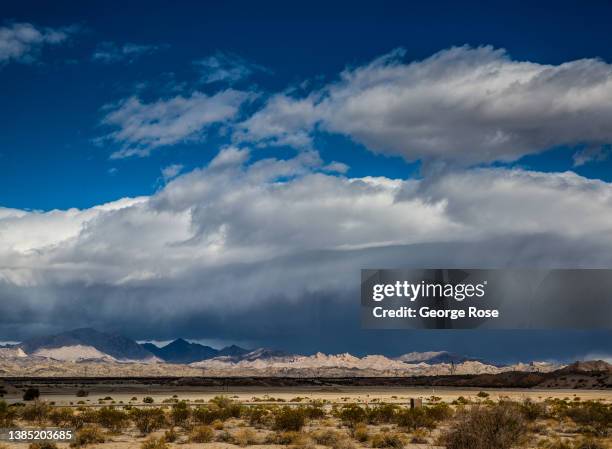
{"type": "Point", "coordinates": [462, 105]}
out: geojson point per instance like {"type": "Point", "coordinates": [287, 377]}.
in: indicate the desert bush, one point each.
{"type": "Point", "coordinates": [113, 419]}
{"type": "Point", "coordinates": [217, 424]}
{"type": "Point", "coordinates": [314, 412]}
{"type": "Point", "coordinates": [382, 414]}
{"type": "Point", "coordinates": [201, 434]}
{"type": "Point", "coordinates": [388, 439]}
{"type": "Point", "coordinates": [30, 394]}
{"type": "Point", "coordinates": [287, 438]}
{"type": "Point", "coordinates": [245, 437]}
{"type": "Point", "coordinates": [88, 435]}
{"type": "Point", "coordinates": [61, 416]}
{"type": "Point", "coordinates": [36, 412]}
{"type": "Point", "coordinates": [360, 433]}
{"type": "Point", "coordinates": [43, 445]}
{"type": "Point", "coordinates": [148, 420]}
{"type": "Point", "coordinates": [288, 418]}
{"type": "Point", "coordinates": [496, 427]}
{"type": "Point", "coordinates": [590, 443]}
{"type": "Point", "coordinates": [532, 410]}
{"type": "Point", "coordinates": [7, 414]}
{"type": "Point", "coordinates": [556, 443]}
{"type": "Point", "coordinates": [415, 418]}
{"type": "Point", "coordinates": [260, 415]}
{"type": "Point", "coordinates": [180, 414]}
{"type": "Point", "coordinates": [170, 435]}
{"type": "Point", "coordinates": [418, 437]}
{"type": "Point", "coordinates": [326, 437]}
{"type": "Point", "coordinates": [594, 417]}
{"type": "Point", "coordinates": [352, 414]}
{"type": "Point", "coordinates": [148, 400]}
{"type": "Point", "coordinates": [439, 412]}
{"type": "Point", "coordinates": [483, 394]}
{"type": "Point", "coordinates": [154, 443]}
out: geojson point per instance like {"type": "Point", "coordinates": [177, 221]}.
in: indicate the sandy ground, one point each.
{"type": "Point", "coordinates": [400, 395]}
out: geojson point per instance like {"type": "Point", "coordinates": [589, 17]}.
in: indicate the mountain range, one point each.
{"type": "Point", "coordinates": [88, 350]}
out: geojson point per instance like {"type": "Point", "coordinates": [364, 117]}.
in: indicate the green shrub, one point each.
{"type": "Point", "coordinates": [148, 400]}
{"type": "Point", "coordinates": [288, 418]}
{"type": "Point", "coordinates": [148, 420]}
{"type": "Point", "coordinates": [415, 418]}
{"type": "Point", "coordinates": [352, 414]}
{"type": "Point", "coordinates": [113, 419]}
{"type": "Point", "coordinates": [180, 414]}
{"type": "Point", "coordinates": [382, 414]}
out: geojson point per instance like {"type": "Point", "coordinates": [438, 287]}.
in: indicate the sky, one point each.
{"type": "Point", "coordinates": [221, 172]}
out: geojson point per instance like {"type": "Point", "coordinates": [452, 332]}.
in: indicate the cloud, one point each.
{"type": "Point", "coordinates": [262, 250]}
{"type": "Point", "coordinates": [171, 171]}
{"type": "Point", "coordinates": [143, 127]}
{"type": "Point", "coordinates": [22, 42]}
{"type": "Point", "coordinates": [463, 106]}
{"type": "Point", "coordinates": [227, 67]}
{"type": "Point", "coordinates": [110, 52]}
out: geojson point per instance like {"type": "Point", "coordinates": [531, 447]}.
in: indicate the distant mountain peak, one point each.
{"type": "Point", "coordinates": [89, 340]}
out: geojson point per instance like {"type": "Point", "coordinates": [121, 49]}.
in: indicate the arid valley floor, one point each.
{"type": "Point", "coordinates": [149, 415]}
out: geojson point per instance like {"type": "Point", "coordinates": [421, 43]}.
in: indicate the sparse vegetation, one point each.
{"type": "Point", "coordinates": [201, 434]}
{"type": "Point", "coordinates": [544, 423]}
{"type": "Point", "coordinates": [495, 427]}
{"type": "Point", "coordinates": [154, 443]}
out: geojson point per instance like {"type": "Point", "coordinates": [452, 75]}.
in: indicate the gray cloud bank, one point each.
{"type": "Point", "coordinates": [270, 251]}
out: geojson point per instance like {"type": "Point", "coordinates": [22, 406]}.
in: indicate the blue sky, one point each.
{"type": "Point", "coordinates": [231, 166]}
{"type": "Point", "coordinates": [52, 108]}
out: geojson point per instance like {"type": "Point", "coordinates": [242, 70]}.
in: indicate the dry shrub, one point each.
{"type": "Point", "coordinates": [419, 436]}
{"type": "Point", "coordinates": [496, 427]}
{"type": "Point", "coordinates": [88, 435]}
{"type": "Point", "coordinates": [41, 445]}
{"type": "Point", "coordinates": [325, 437]}
{"type": "Point", "coordinates": [170, 436]}
{"type": "Point", "coordinates": [154, 443]}
{"type": "Point", "coordinates": [360, 433]}
{"type": "Point", "coordinates": [7, 414]}
{"type": "Point", "coordinates": [217, 424]}
{"type": "Point", "coordinates": [388, 439]}
{"type": "Point", "coordinates": [287, 438]}
{"type": "Point", "coordinates": [590, 443]}
{"type": "Point", "coordinates": [61, 416]}
{"type": "Point", "coordinates": [201, 434]}
{"type": "Point", "coordinates": [245, 437]}
{"type": "Point", "coordinates": [36, 412]}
